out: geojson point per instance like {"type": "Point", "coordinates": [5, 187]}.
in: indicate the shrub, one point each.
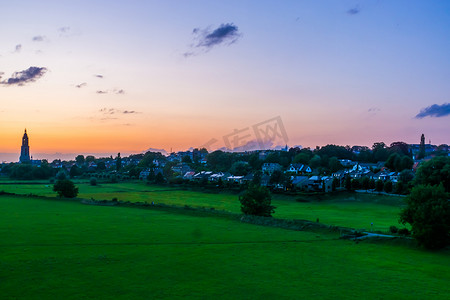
{"type": "Point", "coordinates": [61, 175]}
{"type": "Point", "coordinates": [257, 201]}
{"type": "Point", "coordinates": [403, 231]}
{"type": "Point", "coordinates": [393, 229]}
{"type": "Point", "coordinates": [65, 188]}
{"type": "Point", "coordinates": [93, 181]}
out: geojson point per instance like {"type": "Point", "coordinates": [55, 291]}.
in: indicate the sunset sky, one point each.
{"type": "Point", "coordinates": [126, 76]}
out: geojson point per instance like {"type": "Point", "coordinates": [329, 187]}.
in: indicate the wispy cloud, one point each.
{"type": "Point", "coordinates": [18, 48]}
{"type": "Point", "coordinates": [206, 39]}
{"type": "Point", "coordinates": [98, 76]}
{"type": "Point", "coordinates": [79, 86]}
{"type": "Point", "coordinates": [113, 111]}
{"type": "Point", "coordinates": [434, 110]}
{"type": "Point", "coordinates": [29, 75]}
{"type": "Point", "coordinates": [39, 38]}
{"type": "Point", "coordinates": [101, 92]}
{"type": "Point", "coordinates": [354, 11]}
{"type": "Point", "coordinates": [120, 92]}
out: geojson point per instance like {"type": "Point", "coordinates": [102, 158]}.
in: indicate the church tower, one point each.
{"type": "Point", "coordinates": [25, 149]}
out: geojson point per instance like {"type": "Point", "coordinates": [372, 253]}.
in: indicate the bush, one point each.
{"type": "Point", "coordinates": [393, 229]}
{"type": "Point", "coordinates": [93, 181]}
{"type": "Point", "coordinates": [65, 188]}
{"type": "Point", "coordinates": [61, 175]}
{"type": "Point", "coordinates": [404, 231]}
{"type": "Point", "coordinates": [388, 186]}
{"type": "Point", "coordinates": [257, 200]}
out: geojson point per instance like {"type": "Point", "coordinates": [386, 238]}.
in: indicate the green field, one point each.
{"type": "Point", "coordinates": [348, 210]}
{"type": "Point", "coordinates": [56, 249]}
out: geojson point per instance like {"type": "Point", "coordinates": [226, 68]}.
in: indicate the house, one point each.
{"type": "Point", "coordinates": [269, 168]}
{"type": "Point", "coordinates": [203, 175]}
{"type": "Point", "coordinates": [299, 169]}
{"type": "Point", "coordinates": [189, 175]}
{"type": "Point", "coordinates": [300, 182]}
{"type": "Point", "coordinates": [265, 180]}
{"type": "Point", "coordinates": [181, 168]}
{"type": "Point", "coordinates": [320, 183]}
{"type": "Point", "coordinates": [235, 179]}
{"type": "Point", "coordinates": [143, 175]}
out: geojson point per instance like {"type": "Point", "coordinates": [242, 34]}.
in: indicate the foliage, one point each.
{"type": "Point", "coordinates": [65, 188]}
{"type": "Point", "coordinates": [388, 186]}
{"type": "Point", "coordinates": [257, 201]}
{"type": "Point", "coordinates": [379, 185]}
{"type": "Point", "coordinates": [61, 175]}
{"type": "Point", "coordinates": [399, 162]}
{"type": "Point", "coordinates": [240, 168]}
{"type": "Point", "coordinates": [159, 179]}
{"type": "Point", "coordinates": [93, 181]}
{"type": "Point", "coordinates": [428, 213]}
{"type": "Point", "coordinates": [434, 172]}
{"type": "Point", "coordinates": [80, 159]}
{"type": "Point", "coordinates": [28, 172]}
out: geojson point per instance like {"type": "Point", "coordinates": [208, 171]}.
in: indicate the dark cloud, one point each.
{"type": "Point", "coordinates": [129, 112]}
{"type": "Point", "coordinates": [98, 76]}
{"type": "Point", "coordinates": [81, 85]}
{"type": "Point", "coordinates": [354, 11]}
{"type": "Point", "coordinates": [205, 39]}
{"type": "Point", "coordinates": [18, 48]}
{"type": "Point", "coordinates": [120, 92]}
{"type": "Point", "coordinates": [434, 110]}
{"type": "Point", "coordinates": [39, 38]}
{"type": "Point", "coordinates": [29, 75]}
{"type": "Point", "coordinates": [102, 92]}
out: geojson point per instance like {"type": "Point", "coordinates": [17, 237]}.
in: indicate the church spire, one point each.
{"type": "Point", "coordinates": [25, 149]}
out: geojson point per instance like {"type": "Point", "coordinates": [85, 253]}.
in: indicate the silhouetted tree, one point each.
{"type": "Point", "coordinates": [257, 201]}
{"type": "Point", "coordinates": [428, 213]}
{"type": "Point", "coordinates": [65, 188]}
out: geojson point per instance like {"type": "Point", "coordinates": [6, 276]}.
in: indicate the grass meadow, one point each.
{"type": "Point", "coordinates": [58, 249]}
{"type": "Point", "coordinates": [348, 209]}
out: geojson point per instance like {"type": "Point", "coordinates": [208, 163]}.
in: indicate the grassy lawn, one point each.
{"type": "Point", "coordinates": [349, 210]}
{"type": "Point", "coordinates": [66, 250]}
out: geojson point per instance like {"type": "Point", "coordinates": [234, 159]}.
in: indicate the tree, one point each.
{"type": "Point", "coordinates": [65, 188]}
{"type": "Point", "coordinates": [80, 159]}
{"type": "Point", "coordinates": [379, 185]}
{"type": "Point", "coordinates": [257, 201]}
{"type": "Point", "coordinates": [348, 183]}
{"type": "Point", "coordinates": [388, 186]}
{"type": "Point", "coordinates": [428, 213]}
{"type": "Point", "coordinates": [421, 147]}
{"type": "Point", "coordinates": [159, 178]}
{"type": "Point", "coordinates": [434, 172]}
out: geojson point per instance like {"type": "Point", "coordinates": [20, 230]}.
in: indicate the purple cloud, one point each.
{"type": "Point", "coordinates": [29, 75]}
{"type": "Point", "coordinates": [434, 110]}
{"type": "Point", "coordinates": [205, 39]}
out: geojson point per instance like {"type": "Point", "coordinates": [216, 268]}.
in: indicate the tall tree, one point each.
{"type": "Point", "coordinates": [428, 212]}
